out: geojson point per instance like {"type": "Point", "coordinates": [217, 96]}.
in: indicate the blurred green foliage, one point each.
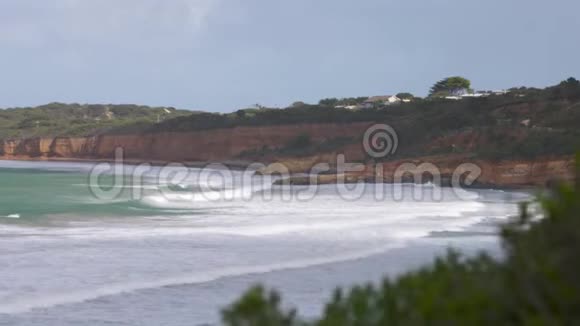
{"type": "Point", "coordinates": [534, 283]}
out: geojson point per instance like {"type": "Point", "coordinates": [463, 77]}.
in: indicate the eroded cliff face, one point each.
{"type": "Point", "coordinates": [208, 145]}
{"type": "Point", "coordinates": [228, 144]}
{"type": "Point", "coordinates": [443, 170]}
{"type": "Point", "coordinates": [72, 147]}
{"type": "Point", "coordinates": [505, 173]}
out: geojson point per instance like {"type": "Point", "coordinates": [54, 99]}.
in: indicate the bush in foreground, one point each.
{"type": "Point", "coordinates": [536, 283]}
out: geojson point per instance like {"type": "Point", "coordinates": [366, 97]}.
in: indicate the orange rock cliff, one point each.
{"type": "Point", "coordinates": [228, 144]}
{"type": "Point", "coordinates": [206, 145]}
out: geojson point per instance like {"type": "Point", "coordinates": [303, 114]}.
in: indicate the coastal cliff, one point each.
{"type": "Point", "coordinates": [207, 145]}
{"type": "Point", "coordinates": [525, 136]}
{"type": "Point", "coordinates": [490, 173]}
{"type": "Point", "coordinates": [228, 144]}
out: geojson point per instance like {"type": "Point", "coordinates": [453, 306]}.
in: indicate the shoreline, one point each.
{"type": "Point", "coordinates": [305, 180]}
{"type": "Point", "coordinates": [294, 179]}
{"type": "Point", "coordinates": [236, 165]}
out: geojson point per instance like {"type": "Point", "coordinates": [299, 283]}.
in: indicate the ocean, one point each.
{"type": "Point", "coordinates": [85, 245]}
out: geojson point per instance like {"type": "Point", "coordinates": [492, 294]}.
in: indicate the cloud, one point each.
{"type": "Point", "coordinates": [126, 22]}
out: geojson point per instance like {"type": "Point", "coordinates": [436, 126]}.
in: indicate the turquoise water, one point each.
{"type": "Point", "coordinates": [40, 196]}
{"type": "Point", "coordinates": [173, 254]}
{"type": "Point", "coordinates": [34, 195]}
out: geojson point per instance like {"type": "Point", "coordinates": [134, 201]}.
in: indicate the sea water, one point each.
{"type": "Point", "coordinates": [174, 253]}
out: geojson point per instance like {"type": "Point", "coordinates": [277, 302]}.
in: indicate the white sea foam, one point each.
{"type": "Point", "coordinates": [189, 199]}
{"type": "Point", "coordinates": [55, 299]}
{"type": "Point", "coordinates": [148, 187]}
{"type": "Point", "coordinates": [400, 220]}
{"type": "Point", "coordinates": [395, 231]}
{"type": "Point", "coordinates": [12, 216]}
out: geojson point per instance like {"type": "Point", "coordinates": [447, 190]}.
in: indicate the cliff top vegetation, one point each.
{"type": "Point", "coordinates": [60, 119]}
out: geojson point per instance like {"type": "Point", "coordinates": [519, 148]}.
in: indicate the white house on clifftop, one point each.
{"type": "Point", "coordinates": [381, 100]}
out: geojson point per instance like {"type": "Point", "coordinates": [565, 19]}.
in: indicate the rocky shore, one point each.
{"type": "Point", "coordinates": [445, 170]}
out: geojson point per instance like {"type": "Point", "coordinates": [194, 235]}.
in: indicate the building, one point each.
{"type": "Point", "coordinates": [348, 107]}
{"type": "Point", "coordinates": [477, 94]}
{"type": "Point", "coordinates": [352, 107]}
{"type": "Point", "coordinates": [459, 92]}
{"type": "Point", "coordinates": [374, 101]}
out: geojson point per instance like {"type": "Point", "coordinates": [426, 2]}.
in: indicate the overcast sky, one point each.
{"type": "Point", "coordinates": [221, 55]}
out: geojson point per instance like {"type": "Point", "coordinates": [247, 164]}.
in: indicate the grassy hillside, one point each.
{"type": "Point", "coordinates": [58, 119]}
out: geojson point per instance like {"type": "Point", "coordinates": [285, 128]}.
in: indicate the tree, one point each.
{"type": "Point", "coordinates": [568, 89]}
{"type": "Point", "coordinates": [405, 96]}
{"type": "Point", "coordinates": [450, 86]}
{"type": "Point", "coordinates": [298, 104]}
{"type": "Point", "coordinates": [572, 82]}
{"type": "Point", "coordinates": [240, 113]}
{"type": "Point", "coordinates": [328, 101]}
